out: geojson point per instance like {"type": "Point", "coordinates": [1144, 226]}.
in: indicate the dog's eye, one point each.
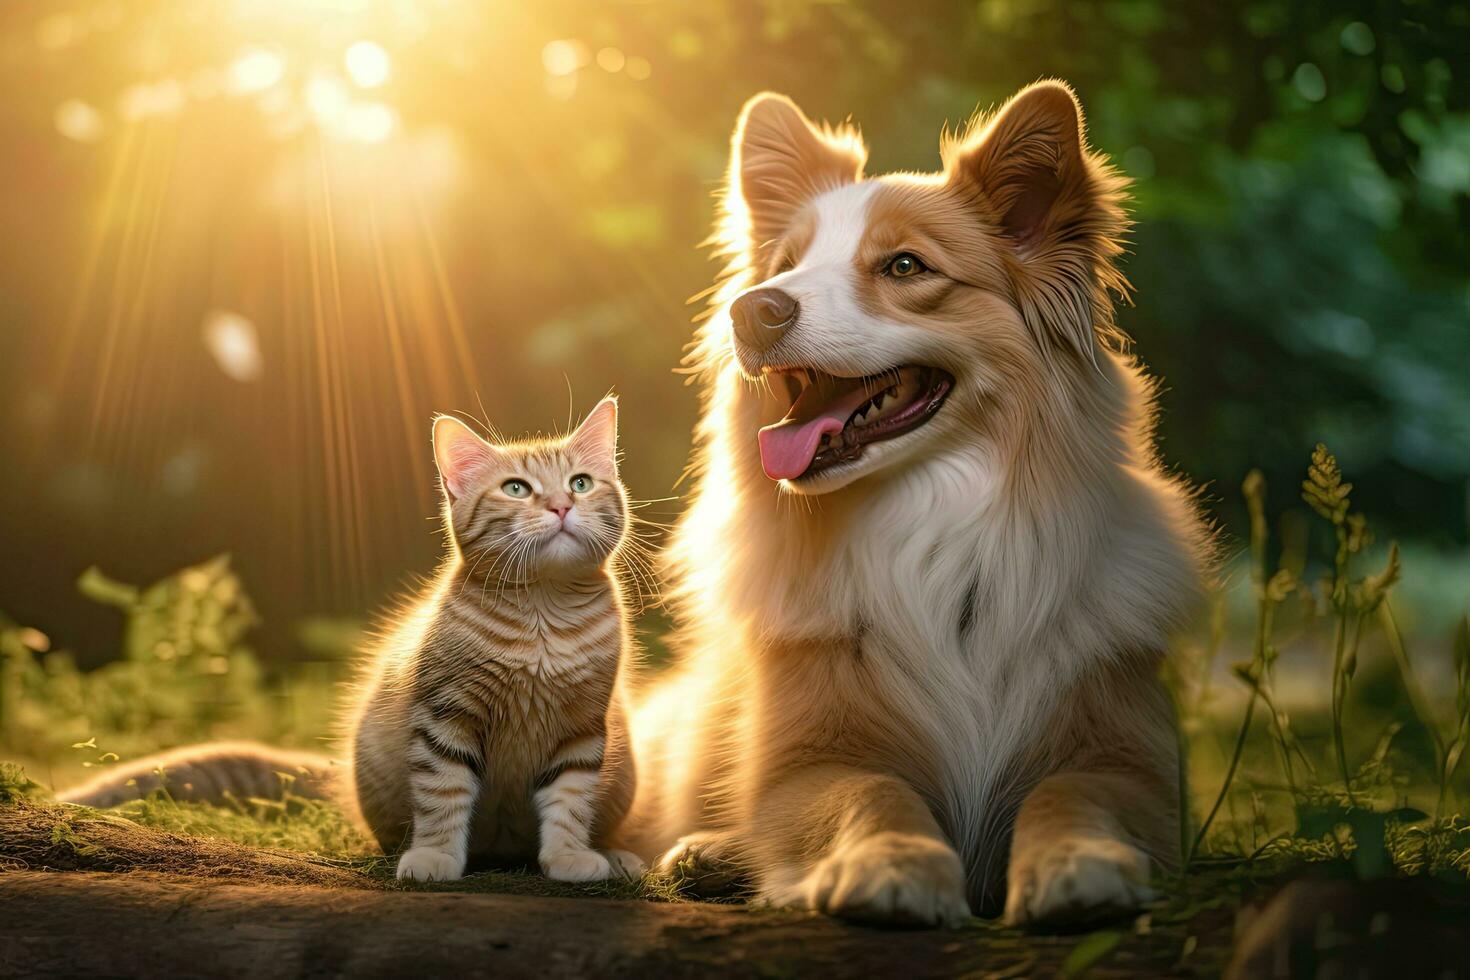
{"type": "Point", "coordinates": [903, 265]}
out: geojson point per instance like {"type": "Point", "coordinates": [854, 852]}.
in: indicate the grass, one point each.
{"type": "Point", "coordinates": [161, 834]}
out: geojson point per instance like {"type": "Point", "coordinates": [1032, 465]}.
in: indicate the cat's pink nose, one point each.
{"type": "Point", "coordinates": [560, 512]}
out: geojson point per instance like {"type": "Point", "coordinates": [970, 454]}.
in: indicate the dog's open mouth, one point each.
{"type": "Point", "coordinates": [831, 418]}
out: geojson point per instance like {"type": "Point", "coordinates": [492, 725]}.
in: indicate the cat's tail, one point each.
{"type": "Point", "coordinates": [211, 773]}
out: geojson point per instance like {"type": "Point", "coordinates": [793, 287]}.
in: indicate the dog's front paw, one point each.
{"type": "Point", "coordinates": [889, 878]}
{"type": "Point", "coordinates": [579, 865]}
{"type": "Point", "coordinates": [703, 864]}
{"type": "Point", "coordinates": [430, 864]}
{"type": "Point", "coordinates": [1077, 879]}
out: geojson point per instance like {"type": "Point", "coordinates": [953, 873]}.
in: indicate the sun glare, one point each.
{"type": "Point", "coordinates": [276, 180]}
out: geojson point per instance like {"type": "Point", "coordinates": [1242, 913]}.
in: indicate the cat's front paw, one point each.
{"type": "Point", "coordinates": [888, 878]}
{"type": "Point", "coordinates": [430, 864]}
{"type": "Point", "coordinates": [1077, 879]}
{"type": "Point", "coordinates": [581, 865]}
{"type": "Point", "coordinates": [626, 863]}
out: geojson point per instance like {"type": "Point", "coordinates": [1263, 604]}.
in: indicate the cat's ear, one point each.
{"type": "Point", "coordinates": [459, 454]}
{"type": "Point", "coordinates": [597, 437]}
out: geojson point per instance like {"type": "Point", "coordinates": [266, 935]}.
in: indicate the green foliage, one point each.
{"type": "Point", "coordinates": [1365, 820]}
{"type": "Point", "coordinates": [186, 673]}
{"type": "Point", "coordinates": [15, 784]}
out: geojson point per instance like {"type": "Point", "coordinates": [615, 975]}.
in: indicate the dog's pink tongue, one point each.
{"type": "Point", "coordinates": [788, 446]}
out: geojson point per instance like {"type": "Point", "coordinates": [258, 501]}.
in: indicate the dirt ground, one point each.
{"type": "Point", "coordinates": [144, 923]}
{"type": "Point", "coordinates": [93, 894]}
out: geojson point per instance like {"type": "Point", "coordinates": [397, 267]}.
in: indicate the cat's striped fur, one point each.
{"type": "Point", "coordinates": [490, 729]}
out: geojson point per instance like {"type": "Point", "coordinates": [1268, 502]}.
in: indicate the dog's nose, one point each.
{"type": "Point", "coordinates": [762, 316]}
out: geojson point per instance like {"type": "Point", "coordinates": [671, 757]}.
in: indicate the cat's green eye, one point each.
{"type": "Point", "coordinates": [580, 483]}
{"type": "Point", "coordinates": [516, 488]}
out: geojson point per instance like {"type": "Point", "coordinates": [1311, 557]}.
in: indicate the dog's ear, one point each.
{"type": "Point", "coordinates": [779, 160]}
{"type": "Point", "coordinates": [1056, 204]}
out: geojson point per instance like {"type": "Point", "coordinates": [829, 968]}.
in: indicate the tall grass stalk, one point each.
{"type": "Point", "coordinates": [1418, 704]}
{"type": "Point", "coordinates": [1456, 748]}
{"type": "Point", "coordinates": [1327, 494]}
{"type": "Point", "coordinates": [1254, 673]}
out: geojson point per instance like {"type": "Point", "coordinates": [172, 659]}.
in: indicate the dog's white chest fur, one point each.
{"type": "Point", "coordinates": [980, 623]}
{"type": "Point", "coordinates": [956, 635]}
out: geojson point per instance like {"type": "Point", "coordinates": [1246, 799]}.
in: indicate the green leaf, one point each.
{"type": "Point", "coordinates": [1090, 951]}
{"type": "Point", "coordinates": [99, 588]}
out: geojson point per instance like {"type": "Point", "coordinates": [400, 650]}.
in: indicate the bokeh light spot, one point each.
{"type": "Point", "coordinates": [57, 31]}
{"type": "Point", "coordinates": [368, 64]}
{"type": "Point", "coordinates": [611, 59]}
{"type": "Point", "coordinates": [1308, 82]}
{"type": "Point", "coordinates": [1357, 38]}
{"type": "Point", "coordinates": [147, 99]}
{"type": "Point", "coordinates": [369, 122]}
{"type": "Point", "coordinates": [78, 120]}
{"type": "Point", "coordinates": [33, 639]}
{"type": "Point", "coordinates": [232, 342]}
{"type": "Point", "coordinates": [563, 57]}
{"type": "Point", "coordinates": [639, 69]}
{"type": "Point", "coordinates": [326, 96]}
{"type": "Point", "coordinates": [256, 69]}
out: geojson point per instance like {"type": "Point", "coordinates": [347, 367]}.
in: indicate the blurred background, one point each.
{"type": "Point", "coordinates": [248, 247]}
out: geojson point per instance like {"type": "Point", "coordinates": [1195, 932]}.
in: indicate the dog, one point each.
{"type": "Point", "coordinates": [932, 560]}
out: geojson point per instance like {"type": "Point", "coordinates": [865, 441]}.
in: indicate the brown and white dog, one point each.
{"type": "Point", "coordinates": [931, 561]}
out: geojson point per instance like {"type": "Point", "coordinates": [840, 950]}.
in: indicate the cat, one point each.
{"type": "Point", "coordinates": [489, 728]}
